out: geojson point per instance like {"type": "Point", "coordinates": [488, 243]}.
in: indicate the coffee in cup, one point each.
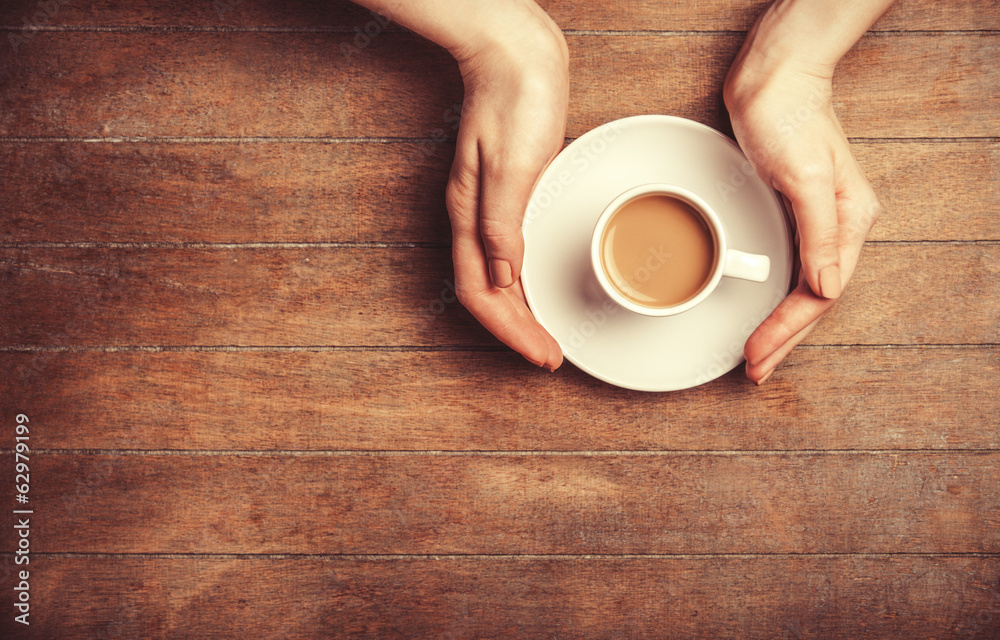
{"type": "Point", "coordinates": [660, 250]}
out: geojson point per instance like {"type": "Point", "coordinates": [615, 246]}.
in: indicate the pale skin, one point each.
{"type": "Point", "coordinates": [785, 68]}
{"type": "Point", "coordinates": [514, 63]}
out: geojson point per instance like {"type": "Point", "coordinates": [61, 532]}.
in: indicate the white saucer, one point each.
{"type": "Point", "coordinates": [598, 336]}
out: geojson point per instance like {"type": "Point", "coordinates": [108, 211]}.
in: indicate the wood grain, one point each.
{"type": "Point", "coordinates": [569, 14]}
{"type": "Point", "coordinates": [347, 192]}
{"type": "Point", "coordinates": [854, 496]}
{"type": "Point", "coordinates": [769, 597]}
{"type": "Point", "coordinates": [266, 296]}
{"type": "Point", "coordinates": [735, 14]}
{"type": "Point", "coordinates": [240, 84]}
{"type": "Point", "coordinates": [934, 191]}
{"type": "Point", "coordinates": [684, 503]}
{"type": "Point", "coordinates": [901, 294]}
{"type": "Point", "coordinates": [917, 398]}
{"type": "Point", "coordinates": [374, 192]}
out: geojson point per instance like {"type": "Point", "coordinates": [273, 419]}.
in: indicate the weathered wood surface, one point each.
{"type": "Point", "coordinates": [674, 503]}
{"type": "Point", "coordinates": [384, 192]}
{"type": "Point", "coordinates": [755, 598]}
{"type": "Point", "coordinates": [853, 496]}
{"type": "Point", "coordinates": [902, 294]}
{"type": "Point", "coordinates": [705, 15]}
{"type": "Point", "coordinates": [240, 84]}
{"type": "Point", "coordinates": [822, 398]}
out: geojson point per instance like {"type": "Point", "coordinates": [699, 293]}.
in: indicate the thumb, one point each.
{"type": "Point", "coordinates": [814, 204]}
{"type": "Point", "coordinates": [505, 189]}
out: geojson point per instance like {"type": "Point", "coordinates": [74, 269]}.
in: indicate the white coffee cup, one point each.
{"type": "Point", "coordinates": [728, 262]}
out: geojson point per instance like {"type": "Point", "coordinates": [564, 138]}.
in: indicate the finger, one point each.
{"type": "Point", "coordinates": [788, 324]}
{"type": "Point", "coordinates": [504, 192]}
{"type": "Point", "coordinates": [791, 322]}
{"type": "Point", "coordinates": [555, 358]}
{"type": "Point", "coordinates": [814, 203]}
{"type": "Point", "coordinates": [496, 309]}
{"type": "Point", "coordinates": [502, 312]}
{"type": "Point", "coordinates": [760, 373]}
{"type": "Point", "coordinates": [462, 192]}
{"type": "Point", "coordinates": [859, 209]}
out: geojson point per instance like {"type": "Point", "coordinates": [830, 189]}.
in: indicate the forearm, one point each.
{"type": "Point", "coordinates": [808, 35]}
{"type": "Point", "coordinates": [466, 28]}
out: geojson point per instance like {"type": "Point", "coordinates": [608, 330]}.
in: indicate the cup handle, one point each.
{"type": "Point", "coordinates": [746, 266]}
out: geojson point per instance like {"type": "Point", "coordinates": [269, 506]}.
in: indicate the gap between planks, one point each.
{"type": "Point", "coordinates": [397, 348]}
{"type": "Point", "coordinates": [382, 140]}
{"type": "Point", "coordinates": [415, 453]}
{"type": "Point", "coordinates": [158, 29]}
{"type": "Point", "coordinates": [358, 245]}
{"type": "Point", "coordinates": [496, 556]}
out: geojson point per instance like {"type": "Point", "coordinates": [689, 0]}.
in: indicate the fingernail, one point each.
{"type": "Point", "coordinates": [761, 359]}
{"type": "Point", "coordinates": [829, 281]}
{"type": "Point", "coordinates": [765, 378]}
{"type": "Point", "coordinates": [501, 273]}
{"type": "Point", "coordinates": [537, 363]}
{"type": "Point", "coordinates": [555, 358]}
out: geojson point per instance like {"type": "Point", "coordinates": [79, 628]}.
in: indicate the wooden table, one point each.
{"type": "Point", "coordinates": [223, 250]}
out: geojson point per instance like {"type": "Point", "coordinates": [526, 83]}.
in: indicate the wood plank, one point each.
{"type": "Point", "coordinates": [913, 399]}
{"type": "Point", "coordinates": [268, 84]}
{"type": "Point", "coordinates": [350, 192]}
{"type": "Point", "coordinates": [935, 191]}
{"type": "Point", "coordinates": [709, 15]}
{"type": "Point", "coordinates": [373, 192]}
{"type": "Point", "coordinates": [515, 503]}
{"type": "Point", "coordinates": [940, 84]}
{"type": "Point", "coordinates": [902, 294]}
{"type": "Point", "coordinates": [266, 296]}
{"type": "Point", "coordinates": [225, 84]}
{"type": "Point", "coordinates": [789, 597]}
{"type": "Point", "coordinates": [740, 15]}
{"type": "Point", "coordinates": [193, 13]}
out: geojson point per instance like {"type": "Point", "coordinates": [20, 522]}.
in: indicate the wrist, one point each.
{"type": "Point", "coordinates": [807, 36]}
{"type": "Point", "coordinates": [778, 53]}
{"type": "Point", "coordinates": [520, 35]}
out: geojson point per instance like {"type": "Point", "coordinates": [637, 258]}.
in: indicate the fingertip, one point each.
{"type": "Point", "coordinates": [538, 350]}
{"type": "Point", "coordinates": [765, 377]}
{"type": "Point", "coordinates": [762, 344]}
{"type": "Point", "coordinates": [754, 375]}
{"type": "Point", "coordinates": [555, 356]}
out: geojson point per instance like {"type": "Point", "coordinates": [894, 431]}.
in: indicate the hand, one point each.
{"type": "Point", "coordinates": [513, 124]}
{"type": "Point", "coordinates": [784, 121]}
